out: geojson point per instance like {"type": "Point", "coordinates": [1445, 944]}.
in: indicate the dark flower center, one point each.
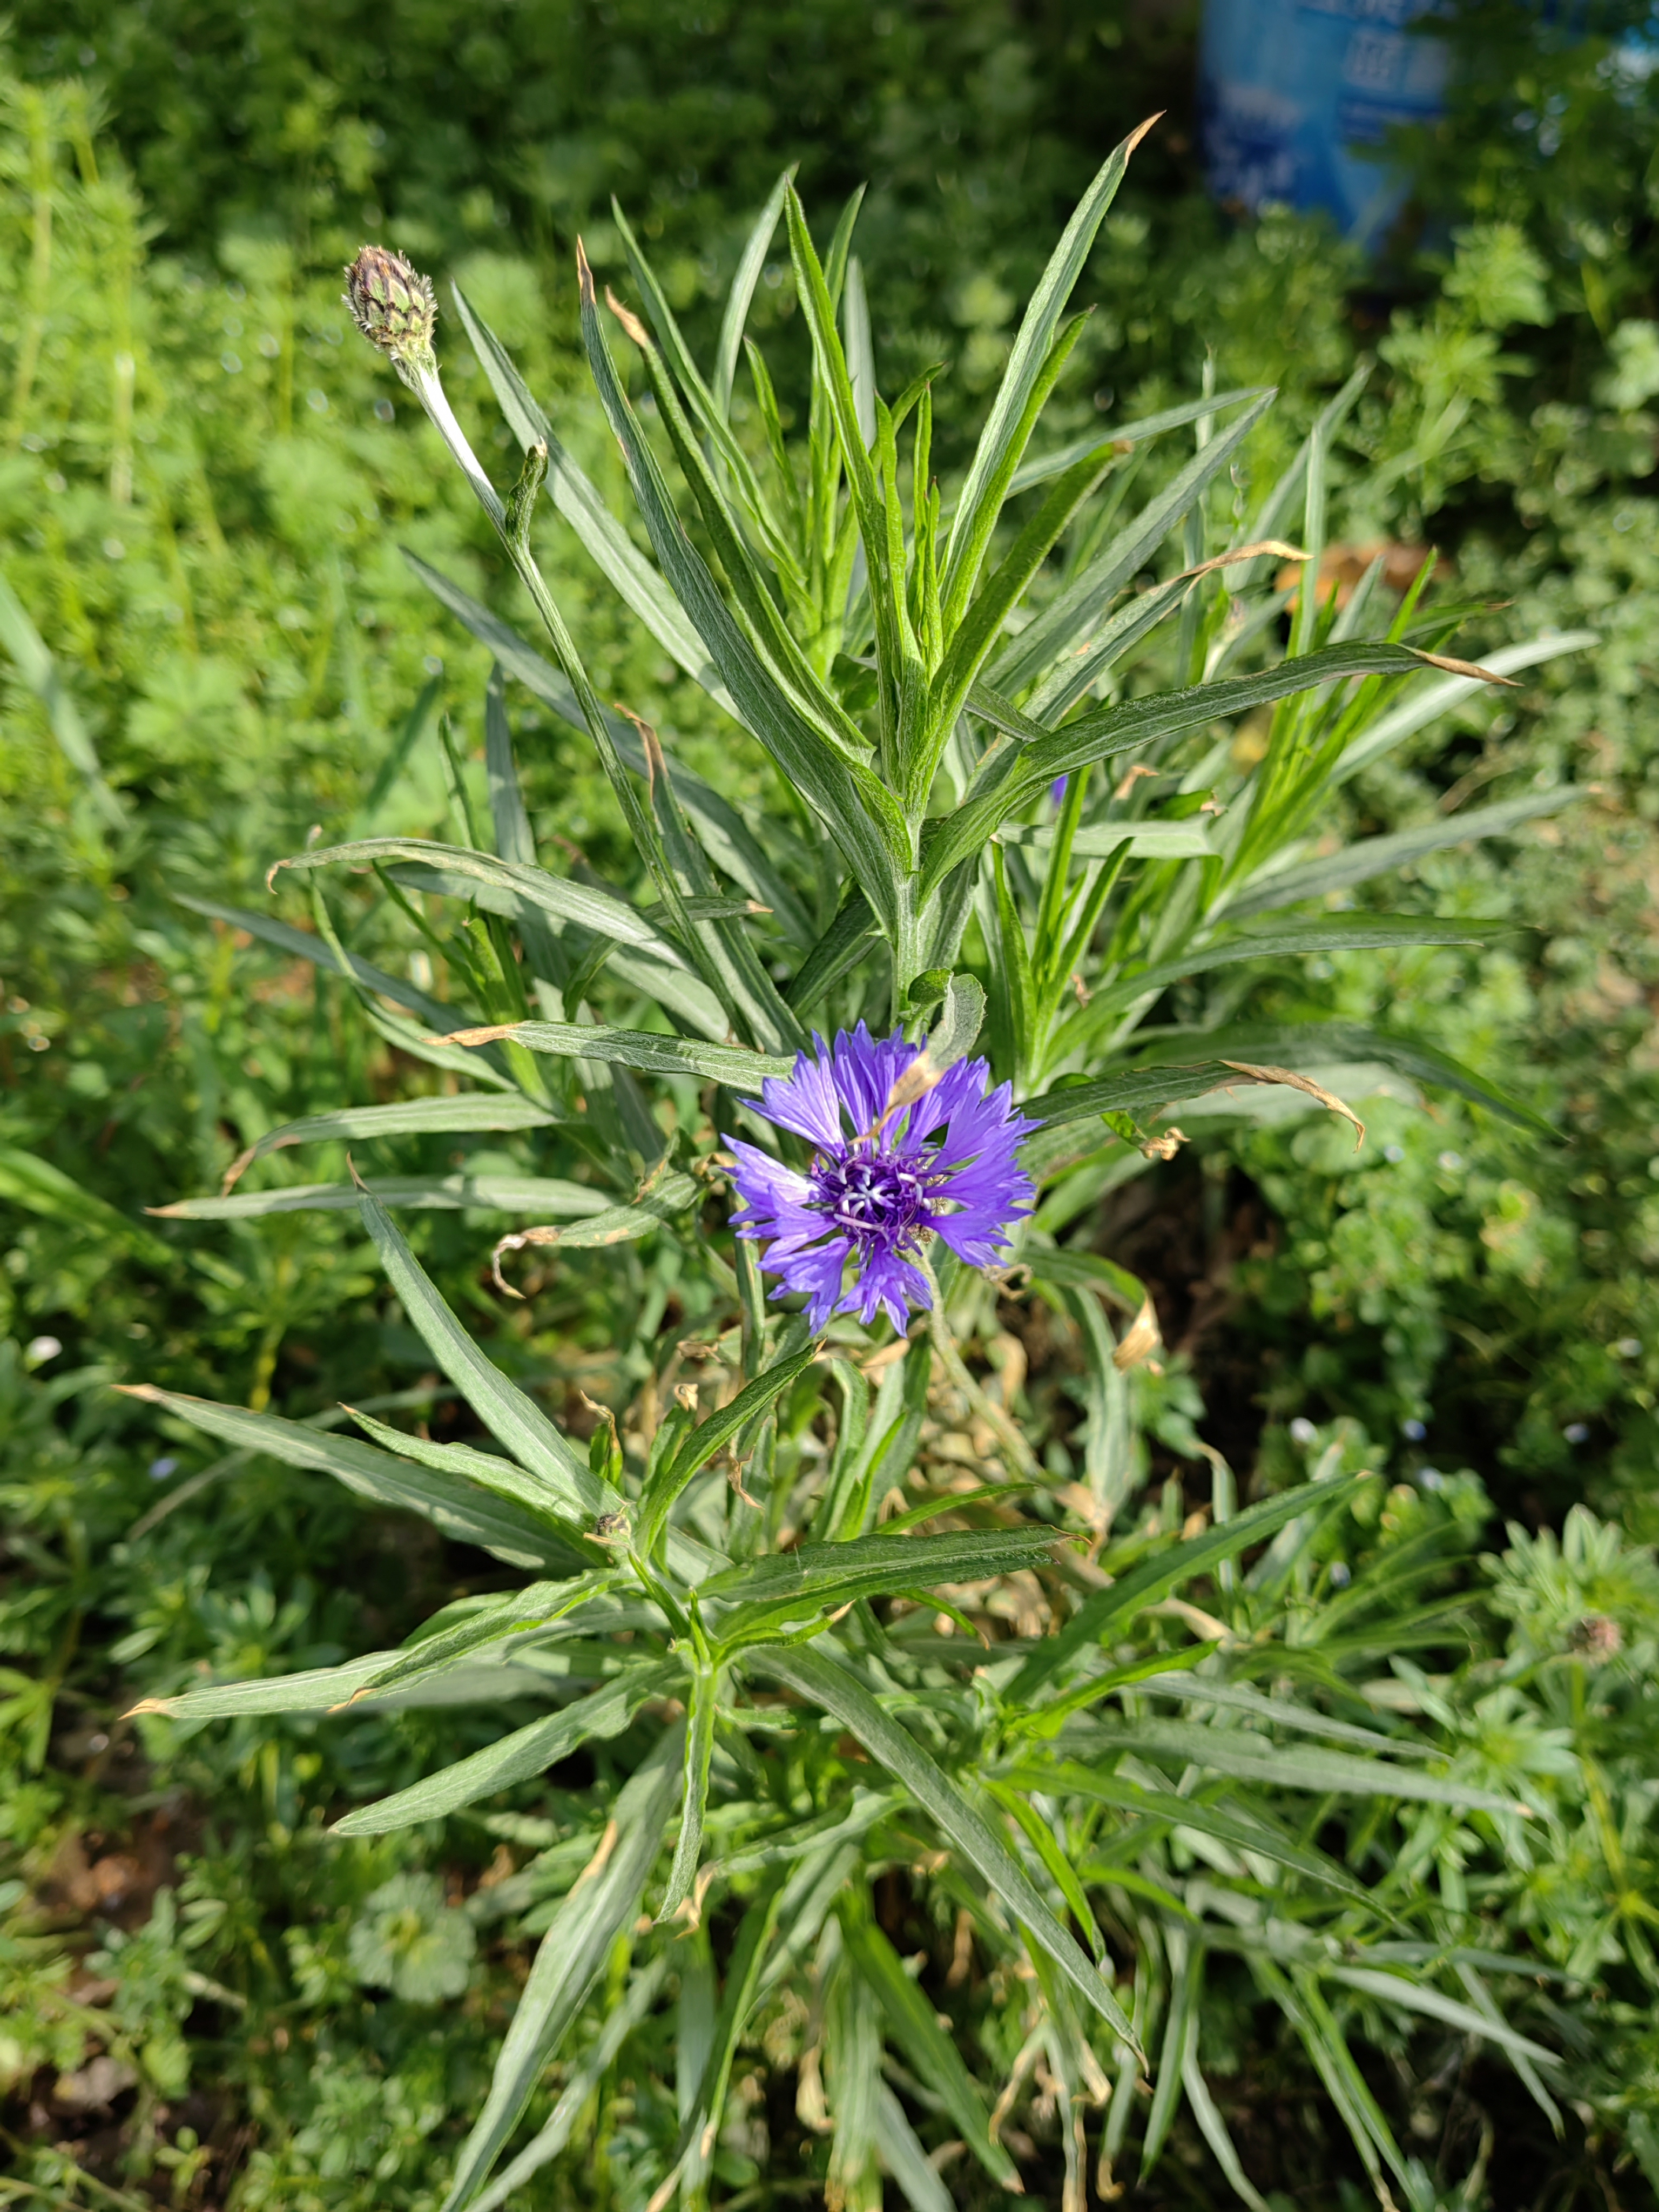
{"type": "Point", "coordinates": [872, 1194]}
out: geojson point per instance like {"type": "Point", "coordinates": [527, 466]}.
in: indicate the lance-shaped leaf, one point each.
{"type": "Point", "coordinates": [497, 1193]}
{"type": "Point", "coordinates": [813, 1675]}
{"type": "Point", "coordinates": [1426, 704]}
{"type": "Point", "coordinates": [1114, 730]}
{"type": "Point", "coordinates": [751, 263]}
{"type": "Point", "coordinates": [1103, 841]}
{"type": "Point", "coordinates": [1321, 1043]}
{"type": "Point", "coordinates": [314, 1690]}
{"type": "Point", "coordinates": [636, 583]}
{"type": "Point", "coordinates": [860, 814]}
{"type": "Point", "coordinates": [406, 1117]}
{"type": "Point", "coordinates": [1155, 1578]}
{"type": "Point", "coordinates": [494, 1620]}
{"type": "Point", "coordinates": [1038, 468]}
{"type": "Point", "coordinates": [515, 1758]}
{"type": "Point", "coordinates": [504, 1409]}
{"type": "Point", "coordinates": [583, 2079]}
{"type": "Point", "coordinates": [1420, 1997]}
{"type": "Point", "coordinates": [997, 454]}
{"type": "Point", "coordinates": [305, 944]}
{"type": "Point", "coordinates": [926, 2046]}
{"type": "Point", "coordinates": [729, 842]}
{"type": "Point", "coordinates": [489, 1470]}
{"type": "Point", "coordinates": [459, 1508]}
{"type": "Point", "coordinates": [701, 1709]}
{"type": "Point", "coordinates": [647, 1050]}
{"type": "Point", "coordinates": [604, 1902]}
{"type": "Point", "coordinates": [1166, 1808]}
{"type": "Point", "coordinates": [590, 908]}
{"type": "Point", "coordinates": [792, 1583]}
{"type": "Point", "coordinates": [1250, 1758]}
{"type": "Point", "coordinates": [1341, 932]}
{"type": "Point", "coordinates": [1368, 857]}
{"type": "Point", "coordinates": [1083, 601]}
{"type": "Point", "coordinates": [616, 1224]}
{"type": "Point", "coordinates": [712, 1436]}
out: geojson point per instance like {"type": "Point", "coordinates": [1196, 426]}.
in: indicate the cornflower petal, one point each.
{"type": "Point", "coordinates": [848, 1232]}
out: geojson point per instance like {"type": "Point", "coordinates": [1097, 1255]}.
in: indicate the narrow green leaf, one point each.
{"type": "Point", "coordinates": [1374, 856]}
{"type": "Point", "coordinates": [1084, 600]}
{"type": "Point", "coordinates": [647, 1050]}
{"type": "Point", "coordinates": [1286, 940]}
{"type": "Point", "coordinates": [1101, 840]}
{"type": "Point", "coordinates": [905, 2158]}
{"type": "Point", "coordinates": [1039, 468]}
{"type": "Point", "coordinates": [471, 1515]}
{"type": "Point", "coordinates": [817, 1678]}
{"type": "Point", "coordinates": [514, 1758]}
{"type": "Point", "coordinates": [1419, 1996]}
{"type": "Point", "coordinates": [1180, 2034]}
{"type": "Point", "coordinates": [583, 2079]}
{"type": "Point", "coordinates": [730, 844]}
{"type": "Point", "coordinates": [1316, 1043]}
{"type": "Point", "coordinates": [503, 1408]}
{"type": "Point", "coordinates": [1069, 1778]}
{"type": "Point", "coordinates": [306, 945]}
{"type": "Point", "coordinates": [859, 812]}
{"type": "Point", "coordinates": [636, 583]}
{"type": "Point", "coordinates": [1426, 704]}
{"type": "Point", "coordinates": [785, 1585]}
{"type": "Point", "coordinates": [701, 1708]}
{"type": "Point", "coordinates": [496, 1619]}
{"type": "Point", "coordinates": [585, 905]}
{"type": "Point", "coordinates": [572, 1954]}
{"type": "Point", "coordinates": [37, 1187]}
{"type": "Point", "coordinates": [1113, 730]}
{"type": "Point", "coordinates": [996, 455]}
{"type": "Point", "coordinates": [407, 1117]}
{"type": "Point", "coordinates": [749, 265]}
{"type": "Point", "coordinates": [712, 1436]}
{"type": "Point", "coordinates": [492, 1471]}
{"type": "Point", "coordinates": [1250, 1758]}
{"type": "Point", "coordinates": [1155, 1578]}
{"type": "Point", "coordinates": [543, 1195]}
{"type": "Point", "coordinates": [926, 2046]}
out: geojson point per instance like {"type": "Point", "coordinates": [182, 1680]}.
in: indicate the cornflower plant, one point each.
{"type": "Point", "coordinates": [853, 1631]}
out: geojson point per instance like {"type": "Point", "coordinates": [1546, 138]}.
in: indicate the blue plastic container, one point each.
{"type": "Point", "coordinates": [1297, 98]}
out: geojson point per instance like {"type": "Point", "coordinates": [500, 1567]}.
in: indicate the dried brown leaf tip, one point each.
{"type": "Point", "coordinates": [392, 304]}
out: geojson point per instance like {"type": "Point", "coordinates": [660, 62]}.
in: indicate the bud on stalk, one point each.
{"type": "Point", "coordinates": [396, 309]}
{"type": "Point", "coordinates": [393, 305]}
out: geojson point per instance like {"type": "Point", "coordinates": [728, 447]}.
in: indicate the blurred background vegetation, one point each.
{"type": "Point", "coordinates": [212, 646]}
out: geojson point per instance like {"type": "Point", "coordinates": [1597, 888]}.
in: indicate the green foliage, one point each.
{"type": "Point", "coordinates": [1272, 1923]}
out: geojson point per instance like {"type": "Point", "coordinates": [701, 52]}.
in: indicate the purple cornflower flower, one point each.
{"type": "Point", "coordinates": [881, 1176]}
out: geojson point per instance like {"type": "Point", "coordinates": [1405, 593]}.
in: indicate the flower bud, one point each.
{"type": "Point", "coordinates": [393, 305]}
